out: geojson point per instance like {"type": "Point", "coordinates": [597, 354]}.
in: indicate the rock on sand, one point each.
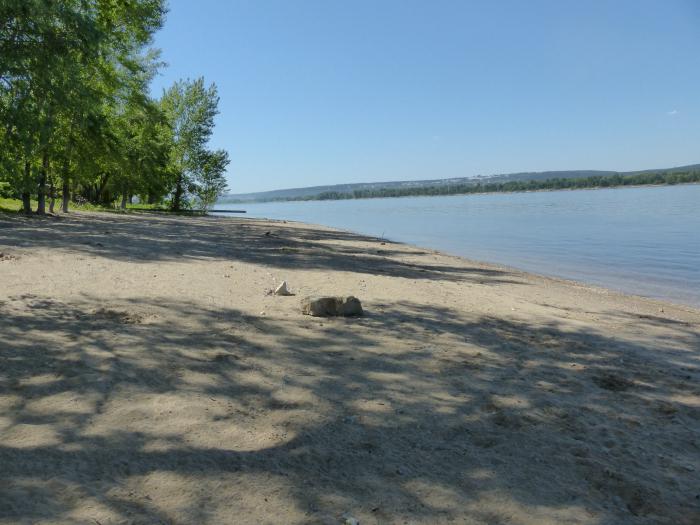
{"type": "Point", "coordinates": [331, 306]}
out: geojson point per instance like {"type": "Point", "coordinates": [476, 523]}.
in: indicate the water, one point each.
{"type": "Point", "coordinates": [644, 241]}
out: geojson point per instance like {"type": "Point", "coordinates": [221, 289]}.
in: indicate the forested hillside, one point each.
{"type": "Point", "coordinates": [499, 183]}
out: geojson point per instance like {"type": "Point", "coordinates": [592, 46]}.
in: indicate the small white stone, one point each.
{"type": "Point", "coordinates": [282, 289]}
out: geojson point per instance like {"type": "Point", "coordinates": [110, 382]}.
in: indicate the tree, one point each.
{"type": "Point", "coordinates": [59, 63]}
{"type": "Point", "coordinates": [190, 108]}
{"type": "Point", "coordinates": [76, 118]}
{"type": "Point", "coordinates": [211, 182]}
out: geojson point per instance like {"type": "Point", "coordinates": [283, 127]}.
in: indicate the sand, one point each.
{"type": "Point", "coordinates": [147, 377]}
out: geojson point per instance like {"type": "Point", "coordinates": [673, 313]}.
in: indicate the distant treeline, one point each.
{"type": "Point", "coordinates": [608, 181]}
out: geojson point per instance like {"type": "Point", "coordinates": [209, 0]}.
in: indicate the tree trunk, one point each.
{"type": "Point", "coordinates": [65, 189]}
{"type": "Point", "coordinates": [52, 195]}
{"type": "Point", "coordinates": [102, 196]}
{"type": "Point", "coordinates": [41, 193]}
{"type": "Point", "coordinates": [27, 196]}
{"type": "Point", "coordinates": [177, 198]}
{"type": "Point", "coordinates": [124, 199]}
{"type": "Point", "coordinates": [26, 202]}
{"type": "Point", "coordinates": [66, 194]}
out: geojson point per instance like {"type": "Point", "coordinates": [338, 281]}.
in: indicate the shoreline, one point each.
{"type": "Point", "coordinates": [600, 289]}
{"type": "Point", "coordinates": [506, 267]}
{"type": "Point", "coordinates": [691, 308]}
{"type": "Point", "coordinates": [148, 375]}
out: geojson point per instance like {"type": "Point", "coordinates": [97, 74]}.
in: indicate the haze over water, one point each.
{"type": "Point", "coordinates": [643, 241]}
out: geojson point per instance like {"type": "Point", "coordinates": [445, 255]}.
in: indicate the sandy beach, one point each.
{"type": "Point", "coordinates": [146, 376]}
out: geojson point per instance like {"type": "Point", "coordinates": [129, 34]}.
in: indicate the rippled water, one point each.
{"type": "Point", "coordinates": [644, 241]}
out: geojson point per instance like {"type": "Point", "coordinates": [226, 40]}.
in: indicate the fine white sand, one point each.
{"type": "Point", "coordinates": [146, 377]}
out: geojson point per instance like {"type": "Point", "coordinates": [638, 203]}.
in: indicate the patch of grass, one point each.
{"type": "Point", "coordinates": [10, 205]}
{"type": "Point", "coordinates": [87, 206]}
{"type": "Point", "coordinates": [15, 205]}
{"type": "Point", "coordinates": [143, 206]}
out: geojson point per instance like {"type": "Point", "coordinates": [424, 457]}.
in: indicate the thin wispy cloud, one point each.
{"type": "Point", "coordinates": [672, 113]}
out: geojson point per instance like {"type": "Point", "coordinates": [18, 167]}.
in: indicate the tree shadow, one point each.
{"type": "Point", "coordinates": [134, 238]}
{"type": "Point", "coordinates": [414, 413]}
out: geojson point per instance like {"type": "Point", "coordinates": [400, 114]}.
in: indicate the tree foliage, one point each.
{"type": "Point", "coordinates": [198, 173]}
{"type": "Point", "coordinates": [75, 112]}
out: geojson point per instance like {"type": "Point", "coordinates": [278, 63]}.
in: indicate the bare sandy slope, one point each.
{"type": "Point", "coordinates": [146, 377]}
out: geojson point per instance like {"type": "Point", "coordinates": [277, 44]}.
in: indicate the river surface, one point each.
{"type": "Point", "coordinates": [644, 241]}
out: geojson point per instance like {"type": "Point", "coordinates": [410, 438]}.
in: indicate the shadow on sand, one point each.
{"type": "Point", "coordinates": [477, 420]}
{"type": "Point", "coordinates": [163, 238]}
{"type": "Point", "coordinates": [413, 413]}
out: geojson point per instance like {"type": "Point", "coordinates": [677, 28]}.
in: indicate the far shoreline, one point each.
{"type": "Point", "coordinates": [466, 194]}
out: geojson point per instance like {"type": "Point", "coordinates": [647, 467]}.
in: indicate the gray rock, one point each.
{"type": "Point", "coordinates": [331, 306]}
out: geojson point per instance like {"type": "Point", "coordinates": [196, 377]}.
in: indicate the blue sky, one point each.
{"type": "Point", "coordinates": [329, 91]}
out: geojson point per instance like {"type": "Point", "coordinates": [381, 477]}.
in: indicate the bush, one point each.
{"type": "Point", "coordinates": [6, 191]}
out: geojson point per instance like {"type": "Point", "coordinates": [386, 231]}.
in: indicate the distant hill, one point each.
{"type": "Point", "coordinates": [294, 193]}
